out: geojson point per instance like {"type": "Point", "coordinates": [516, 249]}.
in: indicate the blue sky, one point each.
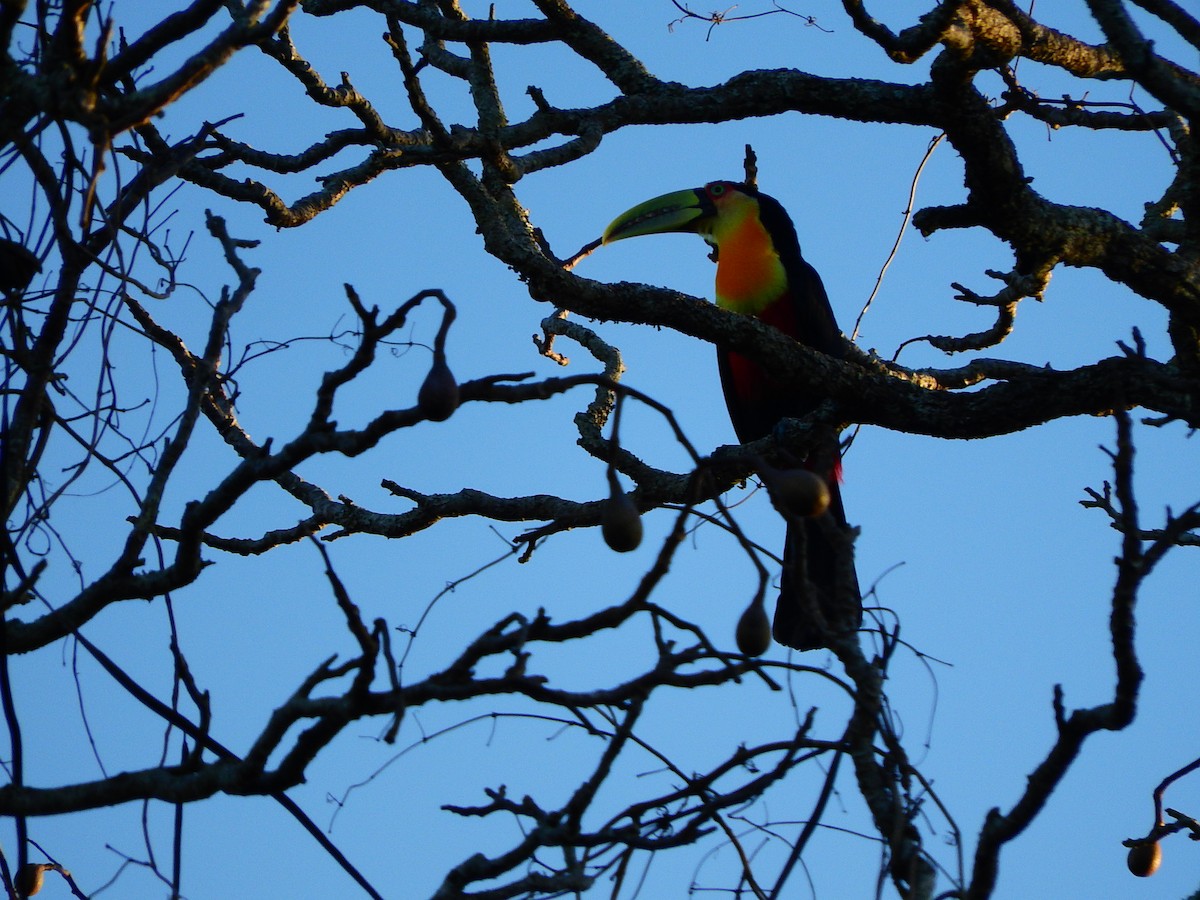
{"type": "Point", "coordinates": [980, 547]}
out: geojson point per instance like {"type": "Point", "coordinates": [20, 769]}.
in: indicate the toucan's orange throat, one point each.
{"type": "Point", "coordinates": [750, 275]}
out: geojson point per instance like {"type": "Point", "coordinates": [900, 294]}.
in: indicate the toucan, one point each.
{"type": "Point", "coordinates": [761, 273]}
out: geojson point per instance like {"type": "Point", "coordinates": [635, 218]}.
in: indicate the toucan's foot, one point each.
{"type": "Point", "coordinates": [782, 430]}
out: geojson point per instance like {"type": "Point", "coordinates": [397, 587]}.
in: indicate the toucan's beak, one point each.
{"type": "Point", "coordinates": [680, 211]}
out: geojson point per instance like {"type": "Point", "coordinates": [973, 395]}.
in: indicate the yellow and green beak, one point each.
{"type": "Point", "coordinates": [678, 211]}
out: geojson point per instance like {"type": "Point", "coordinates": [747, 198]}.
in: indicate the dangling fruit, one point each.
{"type": "Point", "coordinates": [754, 629]}
{"type": "Point", "coordinates": [1144, 858]}
{"type": "Point", "coordinates": [620, 521]}
{"type": "Point", "coordinates": [796, 492]}
{"type": "Point", "coordinates": [31, 878]}
{"type": "Point", "coordinates": [18, 265]}
{"type": "Point", "coordinates": [438, 398]}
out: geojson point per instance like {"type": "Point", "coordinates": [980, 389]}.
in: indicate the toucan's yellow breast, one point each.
{"type": "Point", "coordinates": [749, 273]}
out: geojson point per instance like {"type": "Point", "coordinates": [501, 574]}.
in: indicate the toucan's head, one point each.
{"type": "Point", "coordinates": [712, 211]}
{"type": "Point", "coordinates": [754, 241]}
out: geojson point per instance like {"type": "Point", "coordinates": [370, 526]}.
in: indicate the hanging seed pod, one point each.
{"type": "Point", "coordinates": [31, 878]}
{"type": "Point", "coordinates": [1144, 858]}
{"type": "Point", "coordinates": [18, 265]}
{"type": "Point", "coordinates": [795, 492]}
{"type": "Point", "coordinates": [438, 397]}
{"type": "Point", "coordinates": [620, 521]}
{"type": "Point", "coordinates": [754, 629]}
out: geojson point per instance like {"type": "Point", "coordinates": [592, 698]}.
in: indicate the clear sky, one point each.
{"type": "Point", "coordinates": [981, 548]}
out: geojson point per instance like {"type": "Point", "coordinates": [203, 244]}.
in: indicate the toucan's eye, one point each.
{"type": "Point", "coordinates": [716, 190]}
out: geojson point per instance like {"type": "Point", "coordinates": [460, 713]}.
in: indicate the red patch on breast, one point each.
{"type": "Point", "coordinates": [756, 400]}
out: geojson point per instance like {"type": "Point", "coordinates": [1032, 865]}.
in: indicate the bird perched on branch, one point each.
{"type": "Point", "coordinates": [761, 273]}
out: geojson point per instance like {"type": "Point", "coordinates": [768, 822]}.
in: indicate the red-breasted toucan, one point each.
{"type": "Point", "coordinates": [760, 272]}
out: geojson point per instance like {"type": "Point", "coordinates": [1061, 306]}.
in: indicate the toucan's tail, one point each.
{"type": "Point", "coordinates": [811, 602]}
